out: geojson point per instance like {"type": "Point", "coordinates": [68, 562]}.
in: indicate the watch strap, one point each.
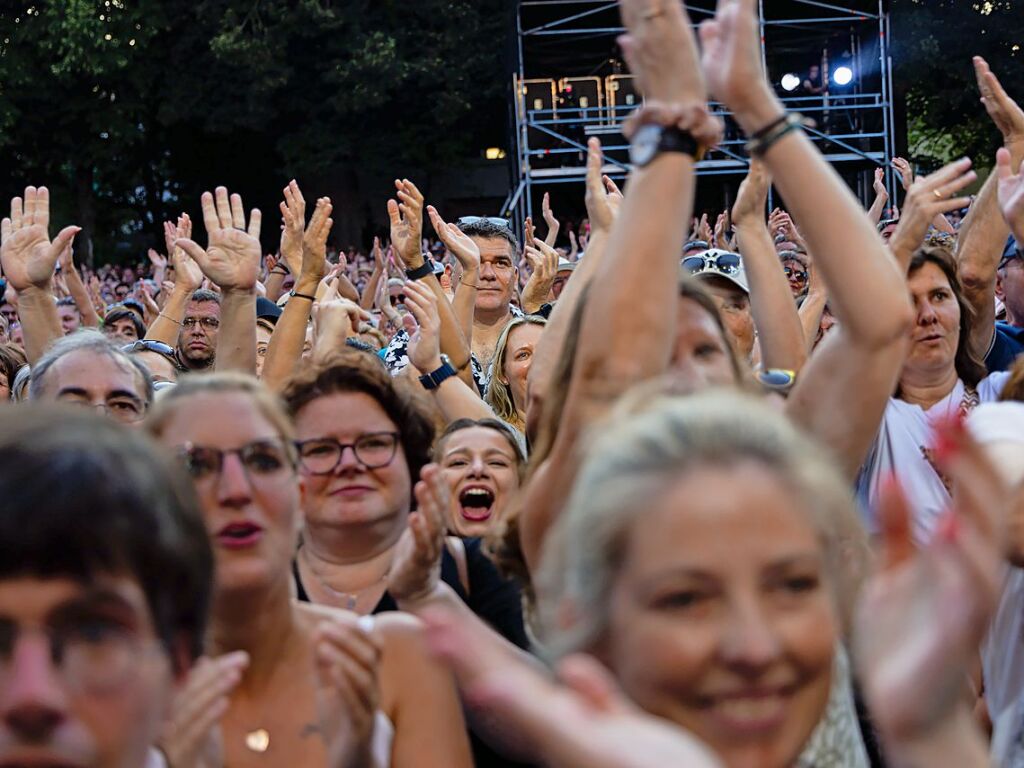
{"type": "Point", "coordinates": [424, 269]}
{"type": "Point", "coordinates": [674, 139]}
{"type": "Point", "coordinates": [434, 379]}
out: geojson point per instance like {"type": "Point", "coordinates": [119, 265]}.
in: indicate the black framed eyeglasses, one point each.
{"type": "Point", "coordinates": [724, 263]}
{"type": "Point", "coordinates": [322, 455]}
{"type": "Point", "coordinates": [259, 458]}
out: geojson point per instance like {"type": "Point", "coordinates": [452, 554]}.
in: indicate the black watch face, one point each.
{"type": "Point", "coordinates": [644, 146]}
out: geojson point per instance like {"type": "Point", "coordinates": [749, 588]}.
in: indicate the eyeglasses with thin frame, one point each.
{"type": "Point", "coordinates": [260, 458]}
{"type": "Point", "coordinates": [724, 263]}
{"type": "Point", "coordinates": [321, 456]}
{"type": "Point", "coordinates": [90, 653]}
{"type": "Point", "coordinates": [209, 323]}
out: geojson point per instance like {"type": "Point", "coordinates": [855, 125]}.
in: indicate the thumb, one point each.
{"type": "Point", "coordinates": [409, 324]}
{"type": "Point", "coordinates": [393, 213]}
{"type": "Point", "coordinates": [63, 240]}
{"type": "Point", "coordinates": [1003, 166]}
{"type": "Point", "coordinates": [193, 249]}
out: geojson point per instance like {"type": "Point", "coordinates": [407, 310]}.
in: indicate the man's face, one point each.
{"type": "Point", "coordinates": [1011, 288]}
{"type": "Point", "coordinates": [70, 320]}
{"type": "Point", "coordinates": [561, 278]}
{"type": "Point", "coordinates": [734, 306]}
{"type": "Point", "coordinates": [121, 330]}
{"type": "Point", "coordinates": [497, 274]}
{"type": "Point", "coordinates": [95, 380]}
{"type": "Point", "coordinates": [9, 312]}
{"type": "Point", "coordinates": [121, 291]}
{"type": "Point", "coordinates": [101, 701]}
{"type": "Point", "coordinates": [197, 341]}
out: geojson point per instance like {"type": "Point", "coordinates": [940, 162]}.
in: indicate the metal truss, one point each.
{"type": "Point", "coordinates": [854, 127]}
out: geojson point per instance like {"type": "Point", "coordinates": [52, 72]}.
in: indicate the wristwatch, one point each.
{"type": "Point", "coordinates": [434, 379]}
{"type": "Point", "coordinates": [424, 269]}
{"type": "Point", "coordinates": [651, 140]}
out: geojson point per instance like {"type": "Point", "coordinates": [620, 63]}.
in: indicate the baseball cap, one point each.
{"type": "Point", "coordinates": [715, 262]}
{"type": "Point", "coordinates": [564, 265]}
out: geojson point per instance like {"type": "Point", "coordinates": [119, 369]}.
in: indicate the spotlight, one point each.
{"type": "Point", "coordinates": [790, 82]}
{"type": "Point", "coordinates": [494, 153]}
{"type": "Point", "coordinates": [842, 76]}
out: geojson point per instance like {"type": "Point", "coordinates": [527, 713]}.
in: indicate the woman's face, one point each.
{"type": "Point", "coordinates": [262, 344]}
{"type": "Point", "coordinates": [796, 273]}
{"type": "Point", "coordinates": [5, 387]}
{"type": "Point", "coordinates": [482, 471]}
{"type": "Point", "coordinates": [522, 341]}
{"type": "Point", "coordinates": [700, 358]}
{"type": "Point", "coordinates": [353, 494]}
{"type": "Point", "coordinates": [250, 506]}
{"type": "Point", "coordinates": [721, 617]}
{"type": "Point", "coordinates": [936, 334]}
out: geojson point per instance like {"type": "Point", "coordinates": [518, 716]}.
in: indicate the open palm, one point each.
{"type": "Point", "coordinates": [1011, 194]}
{"type": "Point", "coordinates": [29, 257]}
{"type": "Point", "coordinates": [232, 256]}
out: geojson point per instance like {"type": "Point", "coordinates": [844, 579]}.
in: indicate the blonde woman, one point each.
{"type": "Point", "coordinates": [513, 356]}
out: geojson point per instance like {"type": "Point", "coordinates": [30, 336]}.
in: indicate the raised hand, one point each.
{"type": "Point", "coordinates": [603, 198]}
{"type": "Point", "coordinates": [231, 259]}
{"type": "Point", "coordinates": [377, 252]}
{"type": "Point", "coordinates": [580, 720]}
{"type": "Point", "coordinates": [1011, 194]}
{"type": "Point", "coordinates": [191, 737]}
{"type": "Point", "coordinates": [752, 194]}
{"type": "Point", "coordinates": [927, 197]}
{"type": "Point", "coordinates": [1004, 111]}
{"type": "Point", "coordinates": [187, 274]}
{"type": "Point", "coordinates": [456, 241]}
{"type": "Point", "coordinates": [922, 616]}
{"type": "Point", "coordinates": [544, 265]}
{"type": "Point", "coordinates": [731, 61]}
{"type": "Point", "coordinates": [416, 567]}
{"type": "Point", "coordinates": [406, 215]}
{"type": "Point", "coordinates": [550, 220]}
{"type": "Point", "coordinates": [574, 246]}
{"type": "Point", "coordinates": [314, 241]}
{"type": "Point", "coordinates": [879, 185]}
{"type": "Point", "coordinates": [157, 260]}
{"type": "Point", "coordinates": [702, 229]}
{"type": "Point", "coordinates": [425, 343]}
{"type": "Point", "coordinates": [905, 170]}
{"type": "Point", "coordinates": [347, 663]}
{"type": "Point", "coordinates": [661, 51]}
{"type": "Point", "coordinates": [293, 223]}
{"type": "Point", "coordinates": [28, 256]}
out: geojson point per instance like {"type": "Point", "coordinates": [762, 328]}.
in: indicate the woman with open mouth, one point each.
{"type": "Point", "coordinates": [237, 443]}
{"type": "Point", "coordinates": [484, 466]}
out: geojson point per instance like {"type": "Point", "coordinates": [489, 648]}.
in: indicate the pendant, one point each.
{"type": "Point", "coordinates": [258, 740]}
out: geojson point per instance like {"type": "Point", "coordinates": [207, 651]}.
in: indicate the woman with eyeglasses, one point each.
{"type": "Point", "coordinates": [237, 443]}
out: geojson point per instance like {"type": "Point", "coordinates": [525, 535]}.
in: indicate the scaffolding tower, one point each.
{"type": "Point", "coordinates": [854, 123]}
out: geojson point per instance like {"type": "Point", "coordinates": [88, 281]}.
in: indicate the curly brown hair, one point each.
{"type": "Point", "coordinates": [355, 371]}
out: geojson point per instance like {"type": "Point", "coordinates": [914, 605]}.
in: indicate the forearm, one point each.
{"type": "Point", "coordinates": [549, 348]}
{"type": "Point", "coordinates": [779, 332]}
{"type": "Point", "coordinates": [40, 323]}
{"type": "Point", "coordinates": [458, 400]}
{"type": "Point", "coordinates": [236, 342]}
{"type": "Point", "coordinates": [875, 211]}
{"type": "Point", "coordinates": [289, 337]}
{"type": "Point", "coordinates": [453, 343]}
{"type": "Point", "coordinates": [956, 742]}
{"type": "Point", "coordinates": [464, 304]}
{"type": "Point", "coordinates": [810, 316]}
{"type": "Point", "coordinates": [941, 223]}
{"type": "Point", "coordinates": [168, 323]}
{"type": "Point", "coordinates": [80, 294]}
{"type": "Point", "coordinates": [370, 290]}
{"type": "Point", "coordinates": [868, 292]}
{"type": "Point", "coordinates": [624, 341]}
{"type": "Point", "coordinates": [275, 284]}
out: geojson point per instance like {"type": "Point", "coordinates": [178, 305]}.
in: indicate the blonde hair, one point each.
{"type": "Point", "coordinates": [267, 403]}
{"type": "Point", "coordinates": [499, 394]}
{"type": "Point", "coordinates": [645, 447]}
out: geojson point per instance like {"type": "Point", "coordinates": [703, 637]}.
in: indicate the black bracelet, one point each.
{"type": "Point", "coordinates": [424, 269]}
{"type": "Point", "coordinates": [794, 122]}
{"type": "Point", "coordinates": [769, 128]}
{"type": "Point", "coordinates": [295, 295]}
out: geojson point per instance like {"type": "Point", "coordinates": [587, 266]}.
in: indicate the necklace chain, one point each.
{"type": "Point", "coordinates": [348, 598]}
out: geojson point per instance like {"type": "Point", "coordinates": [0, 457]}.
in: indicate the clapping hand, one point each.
{"type": "Point", "coordinates": [416, 568]}
{"type": "Point", "coordinates": [231, 259]}
{"type": "Point", "coordinates": [550, 220]}
{"type": "Point", "coordinates": [879, 184]}
{"type": "Point", "coordinates": [28, 256]}
{"type": "Point", "coordinates": [293, 218]}
{"type": "Point", "coordinates": [905, 170]}
{"type": "Point", "coordinates": [191, 736]}
{"type": "Point", "coordinates": [424, 344]}
{"type": "Point", "coordinates": [1004, 111]}
{"type": "Point", "coordinates": [924, 613]}
{"type": "Point", "coordinates": [752, 195]}
{"type": "Point", "coordinates": [603, 197]}
{"type": "Point", "coordinates": [1011, 194]}
{"type": "Point", "coordinates": [347, 657]}
{"type": "Point", "coordinates": [406, 215]}
{"type": "Point", "coordinates": [314, 241]}
{"type": "Point", "coordinates": [928, 197]}
{"type": "Point", "coordinates": [456, 241]}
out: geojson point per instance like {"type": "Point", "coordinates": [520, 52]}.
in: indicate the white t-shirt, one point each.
{"type": "Point", "coordinates": [1002, 658]}
{"type": "Point", "coordinates": [900, 449]}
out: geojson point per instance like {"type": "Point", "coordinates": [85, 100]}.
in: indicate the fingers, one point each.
{"type": "Point", "coordinates": [1004, 166]}
{"type": "Point", "coordinates": [611, 187]}
{"type": "Point", "coordinates": [62, 241]}
{"type": "Point", "coordinates": [223, 205]}
{"type": "Point", "coordinates": [211, 219]}
{"type": "Point", "coordinates": [237, 211]}
{"type": "Point", "coordinates": [255, 223]}
{"type": "Point", "coordinates": [394, 214]}
{"type": "Point", "coordinates": [594, 166]}
{"type": "Point", "coordinates": [192, 249]}
{"type": "Point", "coordinates": [897, 546]}
{"type": "Point", "coordinates": [6, 229]}
{"type": "Point", "coordinates": [588, 677]}
{"type": "Point", "coordinates": [17, 213]}
{"type": "Point", "coordinates": [41, 215]}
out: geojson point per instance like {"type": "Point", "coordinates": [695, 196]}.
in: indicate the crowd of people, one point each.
{"type": "Point", "coordinates": [669, 494]}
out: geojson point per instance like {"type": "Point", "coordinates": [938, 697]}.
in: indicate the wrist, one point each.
{"type": "Point", "coordinates": [238, 292]}
{"type": "Point", "coordinates": [307, 283]}
{"type": "Point", "coordinates": [412, 260]}
{"type": "Point", "coordinates": [758, 113]}
{"type": "Point", "coordinates": [421, 598]}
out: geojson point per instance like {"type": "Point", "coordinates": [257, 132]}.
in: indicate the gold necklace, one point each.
{"type": "Point", "coordinates": [348, 598]}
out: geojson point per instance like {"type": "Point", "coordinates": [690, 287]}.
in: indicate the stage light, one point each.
{"type": "Point", "coordinates": [842, 76]}
{"type": "Point", "coordinates": [494, 153]}
{"type": "Point", "coordinates": [790, 82]}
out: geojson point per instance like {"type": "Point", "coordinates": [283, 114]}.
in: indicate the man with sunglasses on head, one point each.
{"type": "Point", "coordinates": [722, 274]}
{"type": "Point", "coordinates": [105, 580]}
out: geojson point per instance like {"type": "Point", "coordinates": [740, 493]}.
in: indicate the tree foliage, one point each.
{"type": "Point", "coordinates": [130, 107]}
